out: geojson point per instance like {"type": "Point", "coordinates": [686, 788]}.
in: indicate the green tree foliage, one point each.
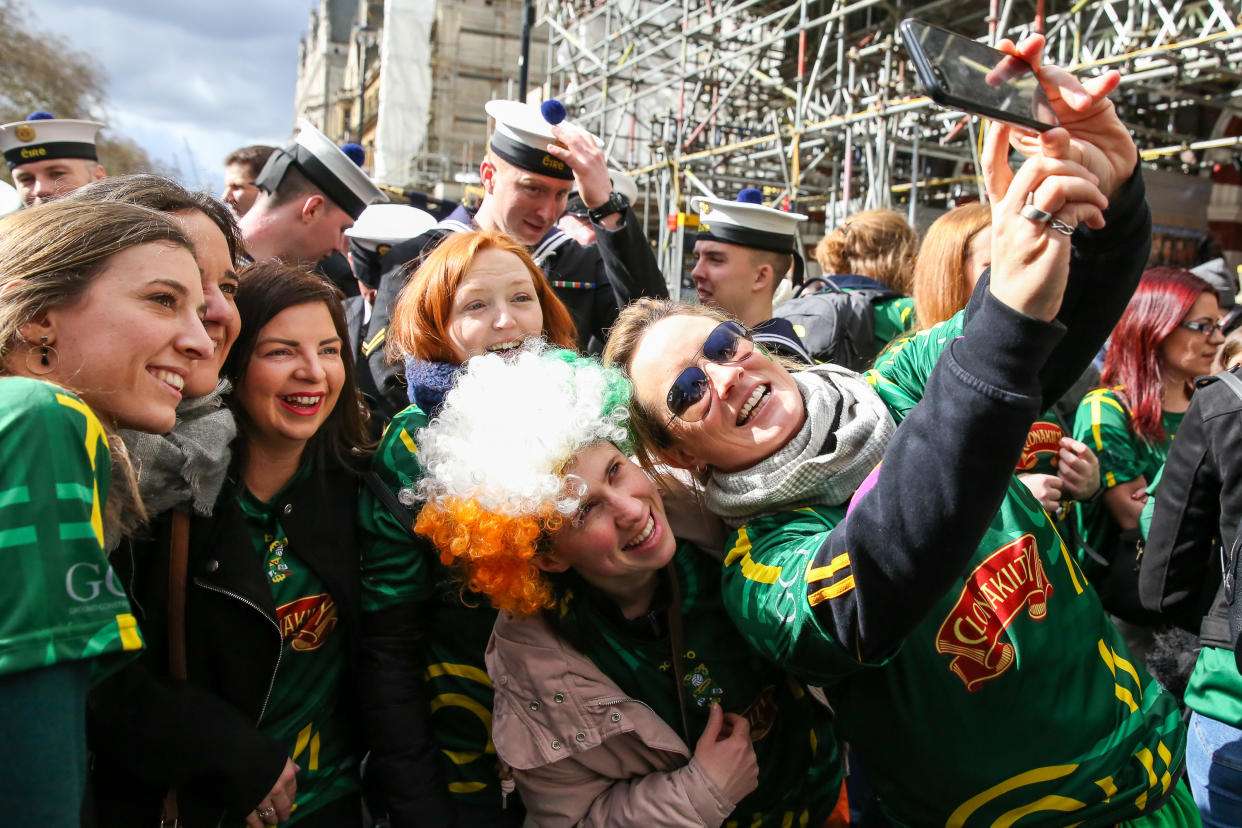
{"type": "Point", "coordinates": [42, 70]}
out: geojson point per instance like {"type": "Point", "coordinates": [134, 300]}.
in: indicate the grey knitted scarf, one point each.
{"type": "Point", "coordinates": [187, 466]}
{"type": "Point", "coordinates": [846, 430]}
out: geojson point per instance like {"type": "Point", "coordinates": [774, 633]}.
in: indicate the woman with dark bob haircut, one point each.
{"type": "Point", "coordinates": [262, 730]}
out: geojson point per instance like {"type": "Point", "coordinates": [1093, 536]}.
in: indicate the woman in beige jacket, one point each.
{"type": "Point", "coordinates": [613, 654]}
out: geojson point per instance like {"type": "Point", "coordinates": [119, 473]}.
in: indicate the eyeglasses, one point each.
{"type": "Point", "coordinates": [1203, 326]}
{"type": "Point", "coordinates": [687, 398]}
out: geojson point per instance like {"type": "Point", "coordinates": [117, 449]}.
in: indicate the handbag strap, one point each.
{"type": "Point", "coordinates": [178, 567]}
{"type": "Point", "coordinates": [385, 496]}
{"type": "Point", "coordinates": [678, 641]}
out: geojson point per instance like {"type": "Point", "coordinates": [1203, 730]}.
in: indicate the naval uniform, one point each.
{"type": "Point", "coordinates": [778, 335]}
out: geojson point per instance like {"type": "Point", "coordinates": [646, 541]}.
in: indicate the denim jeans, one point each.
{"type": "Point", "coordinates": [1214, 768]}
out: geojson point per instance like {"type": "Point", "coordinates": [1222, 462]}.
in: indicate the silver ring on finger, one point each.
{"type": "Point", "coordinates": [264, 813]}
{"type": "Point", "coordinates": [1030, 211]}
{"type": "Point", "coordinates": [1062, 227]}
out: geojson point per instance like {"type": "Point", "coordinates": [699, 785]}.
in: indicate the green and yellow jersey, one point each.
{"type": "Point", "coordinates": [1013, 701]}
{"type": "Point", "coordinates": [304, 710]}
{"type": "Point", "coordinates": [397, 569]}
{"type": "Point", "coordinates": [1103, 424]}
{"type": "Point", "coordinates": [63, 602]}
{"type": "Point", "coordinates": [893, 317]}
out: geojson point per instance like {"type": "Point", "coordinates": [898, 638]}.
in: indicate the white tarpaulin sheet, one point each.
{"type": "Point", "coordinates": [405, 88]}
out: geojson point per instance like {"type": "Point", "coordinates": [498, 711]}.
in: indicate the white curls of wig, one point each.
{"type": "Point", "coordinates": [510, 425]}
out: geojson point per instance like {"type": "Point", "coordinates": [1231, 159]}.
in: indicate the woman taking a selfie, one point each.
{"type": "Point", "coordinates": [613, 654]}
{"type": "Point", "coordinates": [938, 571]}
{"type": "Point", "coordinates": [99, 327]}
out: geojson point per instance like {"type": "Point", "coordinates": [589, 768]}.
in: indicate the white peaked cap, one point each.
{"type": "Point", "coordinates": [390, 224]}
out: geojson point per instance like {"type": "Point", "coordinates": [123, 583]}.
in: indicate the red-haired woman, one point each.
{"type": "Point", "coordinates": [1167, 336]}
{"type": "Point", "coordinates": [478, 292]}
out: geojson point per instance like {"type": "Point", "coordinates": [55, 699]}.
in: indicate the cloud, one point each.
{"type": "Point", "coordinates": [211, 76]}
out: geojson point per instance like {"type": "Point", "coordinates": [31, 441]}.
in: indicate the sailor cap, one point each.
{"type": "Point", "coordinates": [389, 224]}
{"type": "Point", "coordinates": [43, 138]}
{"type": "Point", "coordinates": [747, 223]}
{"type": "Point", "coordinates": [522, 135]}
{"type": "Point", "coordinates": [327, 167]}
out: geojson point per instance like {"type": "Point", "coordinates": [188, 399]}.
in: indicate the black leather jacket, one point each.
{"type": "Point", "coordinates": [1198, 508]}
{"type": "Point", "coordinates": [148, 732]}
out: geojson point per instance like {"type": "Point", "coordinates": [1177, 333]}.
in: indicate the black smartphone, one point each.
{"type": "Point", "coordinates": [960, 73]}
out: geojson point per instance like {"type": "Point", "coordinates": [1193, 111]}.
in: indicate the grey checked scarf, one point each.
{"type": "Point", "coordinates": [846, 430]}
{"type": "Point", "coordinates": [187, 465]}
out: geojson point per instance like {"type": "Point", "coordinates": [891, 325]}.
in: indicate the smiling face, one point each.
{"type": "Point", "coordinates": [523, 204]}
{"type": "Point", "coordinates": [620, 535]}
{"type": "Point", "coordinates": [495, 306]}
{"type": "Point", "coordinates": [294, 377]}
{"type": "Point", "coordinates": [126, 346]}
{"type": "Point", "coordinates": [219, 282]}
{"type": "Point", "coordinates": [1187, 354]}
{"type": "Point", "coordinates": [752, 407]}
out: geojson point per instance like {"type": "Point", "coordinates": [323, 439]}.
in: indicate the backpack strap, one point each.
{"type": "Point", "coordinates": [829, 286]}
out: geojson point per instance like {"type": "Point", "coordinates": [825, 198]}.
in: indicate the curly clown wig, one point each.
{"type": "Point", "coordinates": [494, 460]}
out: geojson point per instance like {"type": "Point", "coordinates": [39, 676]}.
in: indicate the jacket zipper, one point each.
{"type": "Point", "coordinates": [132, 592]}
{"type": "Point", "coordinates": [272, 683]}
{"type": "Point", "coordinates": [614, 702]}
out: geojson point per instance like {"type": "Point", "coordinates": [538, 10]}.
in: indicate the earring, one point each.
{"type": "Point", "coordinates": [47, 359]}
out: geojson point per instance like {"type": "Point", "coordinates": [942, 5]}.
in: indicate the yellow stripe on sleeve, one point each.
{"type": "Point", "coordinates": [820, 573]}
{"type": "Point", "coordinates": [838, 589]}
{"type": "Point", "coordinates": [127, 626]}
{"type": "Point", "coordinates": [751, 570]}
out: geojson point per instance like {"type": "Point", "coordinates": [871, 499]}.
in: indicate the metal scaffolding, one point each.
{"type": "Point", "coordinates": [815, 102]}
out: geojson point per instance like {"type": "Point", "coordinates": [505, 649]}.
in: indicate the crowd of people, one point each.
{"type": "Point", "coordinates": [320, 511]}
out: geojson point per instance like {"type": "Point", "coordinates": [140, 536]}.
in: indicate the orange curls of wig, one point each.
{"type": "Point", "coordinates": [493, 552]}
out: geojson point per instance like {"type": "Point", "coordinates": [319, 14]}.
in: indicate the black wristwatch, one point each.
{"type": "Point", "coordinates": [616, 203]}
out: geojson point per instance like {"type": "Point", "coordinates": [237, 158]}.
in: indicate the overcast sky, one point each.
{"type": "Point", "coordinates": [190, 80]}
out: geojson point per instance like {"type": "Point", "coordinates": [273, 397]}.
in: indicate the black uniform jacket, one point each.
{"type": "Point", "coordinates": [148, 732]}
{"type": "Point", "coordinates": [594, 283]}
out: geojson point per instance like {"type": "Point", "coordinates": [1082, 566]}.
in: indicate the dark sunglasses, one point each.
{"type": "Point", "coordinates": [687, 398]}
{"type": "Point", "coordinates": [1203, 326]}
